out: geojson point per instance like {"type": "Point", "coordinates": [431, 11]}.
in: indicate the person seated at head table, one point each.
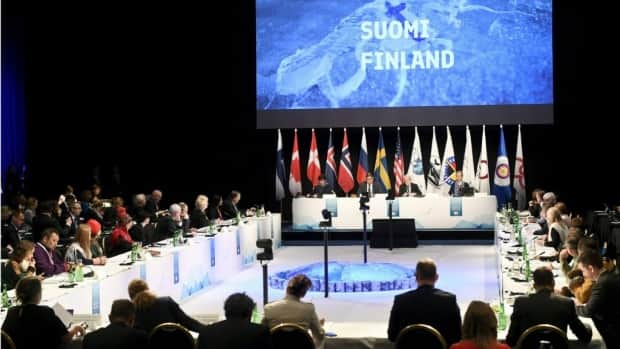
{"type": "Point", "coordinates": [409, 188]}
{"type": "Point", "coordinates": [370, 187]}
{"type": "Point", "coordinates": [323, 187]}
{"type": "Point", "coordinates": [459, 186]}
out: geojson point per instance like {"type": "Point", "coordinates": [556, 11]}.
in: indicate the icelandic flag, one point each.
{"type": "Point", "coordinates": [330, 163]}
{"type": "Point", "coordinates": [399, 164]}
{"type": "Point", "coordinates": [313, 170]}
{"type": "Point", "coordinates": [469, 172]}
{"type": "Point", "coordinates": [381, 167]}
{"type": "Point", "coordinates": [294, 179]}
{"type": "Point", "coordinates": [345, 170]}
{"type": "Point", "coordinates": [481, 184]}
{"type": "Point", "coordinates": [448, 165]}
{"type": "Point", "coordinates": [280, 171]}
{"type": "Point", "coordinates": [362, 164]}
{"type": "Point", "coordinates": [519, 176]}
{"type": "Point", "coordinates": [434, 172]}
{"type": "Point", "coordinates": [501, 181]}
{"type": "Point", "coordinates": [416, 168]}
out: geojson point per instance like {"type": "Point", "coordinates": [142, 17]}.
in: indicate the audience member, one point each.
{"type": "Point", "coordinates": [426, 305]}
{"type": "Point", "coordinates": [81, 249]}
{"type": "Point", "coordinates": [168, 225]}
{"type": "Point", "coordinates": [152, 310]}
{"type": "Point", "coordinates": [236, 332]}
{"type": "Point", "coordinates": [120, 240]}
{"type": "Point", "coordinates": [20, 265]}
{"type": "Point", "coordinates": [10, 232]}
{"type": "Point", "coordinates": [544, 307]}
{"type": "Point", "coordinates": [31, 325]}
{"type": "Point", "coordinates": [479, 328]}
{"type": "Point", "coordinates": [604, 304]}
{"type": "Point", "coordinates": [48, 262]}
{"type": "Point", "coordinates": [292, 309]}
{"type": "Point", "coordinates": [119, 334]}
{"type": "Point", "coordinates": [198, 218]}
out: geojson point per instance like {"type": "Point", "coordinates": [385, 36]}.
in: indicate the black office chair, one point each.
{"type": "Point", "coordinates": [420, 336]}
{"type": "Point", "coordinates": [543, 336]}
{"type": "Point", "coordinates": [7, 341]}
{"type": "Point", "coordinates": [289, 335]}
{"type": "Point", "coordinates": [171, 335]}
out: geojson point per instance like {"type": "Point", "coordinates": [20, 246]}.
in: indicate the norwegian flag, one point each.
{"type": "Point", "coordinates": [345, 171]}
{"type": "Point", "coordinates": [330, 163]}
{"type": "Point", "coordinates": [294, 179]}
{"type": "Point", "coordinates": [399, 164]}
{"type": "Point", "coordinates": [314, 166]}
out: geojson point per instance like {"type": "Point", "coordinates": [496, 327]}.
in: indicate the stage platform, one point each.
{"type": "Point", "coordinates": [301, 237]}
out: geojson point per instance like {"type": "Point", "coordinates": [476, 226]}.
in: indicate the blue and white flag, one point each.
{"type": "Point", "coordinates": [280, 171]}
{"type": "Point", "coordinates": [501, 181]}
{"type": "Point", "coordinates": [416, 168]}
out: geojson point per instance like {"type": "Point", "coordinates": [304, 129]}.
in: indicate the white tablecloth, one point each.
{"type": "Point", "coordinates": [430, 212]}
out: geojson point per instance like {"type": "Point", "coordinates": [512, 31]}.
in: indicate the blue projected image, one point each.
{"type": "Point", "coordinates": [314, 54]}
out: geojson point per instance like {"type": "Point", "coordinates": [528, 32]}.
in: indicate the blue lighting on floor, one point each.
{"type": "Point", "coordinates": [350, 277]}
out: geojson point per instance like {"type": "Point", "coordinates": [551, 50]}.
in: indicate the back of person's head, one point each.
{"type": "Point", "coordinates": [239, 306]}
{"type": "Point", "coordinates": [480, 325]}
{"type": "Point", "coordinates": [28, 290]}
{"type": "Point", "coordinates": [549, 198]}
{"type": "Point", "coordinates": [144, 300]}
{"type": "Point", "coordinates": [577, 221]}
{"type": "Point", "coordinates": [426, 270]}
{"type": "Point", "coordinates": [561, 206]}
{"type": "Point", "coordinates": [553, 215]}
{"type": "Point", "coordinates": [298, 285]}
{"type": "Point", "coordinates": [95, 227]}
{"type": "Point", "coordinates": [575, 232]}
{"type": "Point", "coordinates": [136, 286]}
{"type": "Point", "coordinates": [586, 244]}
{"type": "Point", "coordinates": [591, 258]}
{"type": "Point", "coordinates": [123, 310]}
{"type": "Point", "coordinates": [543, 278]}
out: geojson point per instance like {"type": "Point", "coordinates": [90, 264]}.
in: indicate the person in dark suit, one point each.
{"type": "Point", "coordinates": [426, 305]}
{"type": "Point", "coordinates": [47, 218]}
{"type": "Point", "coordinates": [409, 188]}
{"type": "Point", "coordinates": [229, 207]}
{"type": "Point", "coordinates": [152, 310]}
{"type": "Point", "coordinates": [370, 187]}
{"type": "Point", "coordinates": [544, 307]}
{"type": "Point", "coordinates": [236, 332]}
{"type": "Point", "coordinates": [119, 334]}
{"type": "Point", "coordinates": [10, 232]}
{"type": "Point", "coordinates": [322, 188]}
{"type": "Point", "coordinates": [152, 205]}
{"type": "Point", "coordinates": [604, 303]}
{"type": "Point", "coordinates": [459, 187]}
{"type": "Point", "coordinates": [168, 225]}
{"type": "Point", "coordinates": [214, 210]}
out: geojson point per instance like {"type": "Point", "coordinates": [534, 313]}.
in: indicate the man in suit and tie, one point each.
{"type": "Point", "coordinates": [426, 305]}
{"type": "Point", "coordinates": [236, 332]}
{"type": "Point", "coordinates": [119, 334]}
{"type": "Point", "coordinates": [459, 187]}
{"type": "Point", "coordinates": [409, 189]}
{"type": "Point", "coordinates": [369, 188]}
{"type": "Point", "coordinates": [544, 307]}
{"type": "Point", "coordinates": [229, 208]}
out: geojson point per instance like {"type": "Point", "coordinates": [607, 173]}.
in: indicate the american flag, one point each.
{"type": "Point", "coordinates": [398, 164]}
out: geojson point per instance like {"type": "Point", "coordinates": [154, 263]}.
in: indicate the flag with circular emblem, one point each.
{"type": "Point", "coordinates": [501, 181]}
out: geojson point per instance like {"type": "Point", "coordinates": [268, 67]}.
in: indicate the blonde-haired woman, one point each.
{"type": "Point", "coordinates": [81, 248]}
{"type": "Point", "coordinates": [479, 328]}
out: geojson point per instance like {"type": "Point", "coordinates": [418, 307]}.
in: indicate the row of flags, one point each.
{"type": "Point", "coordinates": [441, 174]}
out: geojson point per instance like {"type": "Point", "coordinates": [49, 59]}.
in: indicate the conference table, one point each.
{"type": "Point", "coordinates": [179, 272]}
{"type": "Point", "coordinates": [433, 211]}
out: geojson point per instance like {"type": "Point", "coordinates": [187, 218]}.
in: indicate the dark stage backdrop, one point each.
{"type": "Point", "coordinates": [98, 79]}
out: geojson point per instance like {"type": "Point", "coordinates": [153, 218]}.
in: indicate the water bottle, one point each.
{"type": "Point", "coordinates": [501, 318]}
{"type": "Point", "coordinates": [134, 252]}
{"type": "Point", "coordinates": [6, 301]}
{"type": "Point", "coordinates": [79, 272]}
{"type": "Point", "coordinates": [255, 316]}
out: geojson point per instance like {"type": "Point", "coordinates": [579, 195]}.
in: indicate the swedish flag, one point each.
{"type": "Point", "coordinates": [382, 176]}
